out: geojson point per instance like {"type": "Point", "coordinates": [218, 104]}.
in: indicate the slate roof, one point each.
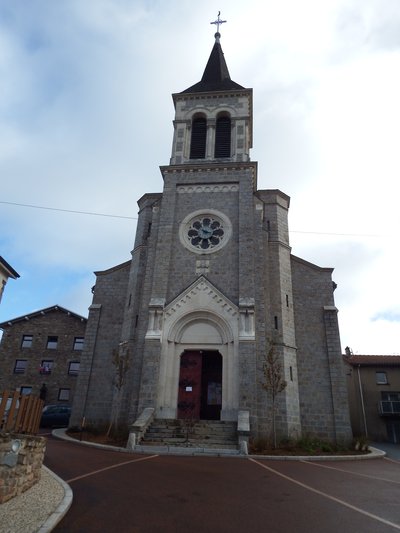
{"type": "Point", "coordinates": [41, 312]}
{"type": "Point", "coordinates": [216, 75]}
{"type": "Point", "coordinates": [11, 272]}
{"type": "Point", "coordinates": [372, 360]}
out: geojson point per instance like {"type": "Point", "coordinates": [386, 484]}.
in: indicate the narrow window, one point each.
{"type": "Point", "coordinates": [63, 395]}
{"type": "Point", "coordinates": [20, 366]}
{"type": "Point", "coordinates": [78, 343]}
{"type": "Point", "coordinates": [52, 343]}
{"type": "Point", "coordinates": [287, 300]}
{"type": "Point", "coordinates": [381, 378]}
{"type": "Point", "coordinates": [276, 322]}
{"type": "Point", "coordinates": [199, 136]}
{"type": "Point", "coordinates": [223, 137]}
{"type": "Point", "coordinates": [291, 373]}
{"type": "Point", "coordinates": [27, 341]}
{"type": "Point", "coordinates": [46, 367]}
{"type": "Point", "coordinates": [73, 368]}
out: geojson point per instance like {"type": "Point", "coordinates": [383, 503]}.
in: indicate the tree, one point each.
{"type": "Point", "coordinates": [273, 381]}
{"type": "Point", "coordinates": [121, 362]}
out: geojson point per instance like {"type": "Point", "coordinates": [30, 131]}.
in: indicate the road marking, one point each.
{"type": "Point", "coordinates": [328, 496]}
{"type": "Point", "coordinates": [391, 460]}
{"type": "Point", "coordinates": [109, 468]}
{"type": "Point", "coordinates": [350, 472]}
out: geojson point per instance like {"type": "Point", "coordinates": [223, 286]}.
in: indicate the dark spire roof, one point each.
{"type": "Point", "coordinates": [216, 75]}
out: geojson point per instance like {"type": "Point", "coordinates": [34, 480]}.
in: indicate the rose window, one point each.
{"type": "Point", "coordinates": [205, 233]}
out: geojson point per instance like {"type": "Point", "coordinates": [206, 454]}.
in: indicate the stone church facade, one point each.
{"type": "Point", "coordinates": [211, 284]}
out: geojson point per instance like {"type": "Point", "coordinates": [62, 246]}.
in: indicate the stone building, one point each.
{"type": "Point", "coordinates": [6, 272]}
{"type": "Point", "coordinates": [210, 285]}
{"type": "Point", "coordinates": [42, 348]}
{"type": "Point", "coordinates": [374, 395]}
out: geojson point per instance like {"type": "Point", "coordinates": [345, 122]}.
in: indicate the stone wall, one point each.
{"type": "Point", "coordinates": [19, 472]}
{"type": "Point", "coordinates": [57, 322]}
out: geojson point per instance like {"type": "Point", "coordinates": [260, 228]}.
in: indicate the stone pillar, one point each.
{"type": "Point", "coordinates": [341, 416]}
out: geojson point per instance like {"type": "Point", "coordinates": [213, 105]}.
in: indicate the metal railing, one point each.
{"type": "Point", "coordinates": [20, 413]}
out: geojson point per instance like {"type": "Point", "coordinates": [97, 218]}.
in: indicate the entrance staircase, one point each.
{"type": "Point", "coordinates": [212, 434]}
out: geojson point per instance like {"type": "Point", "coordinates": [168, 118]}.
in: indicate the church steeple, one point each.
{"type": "Point", "coordinates": [213, 118]}
{"type": "Point", "coordinates": [216, 74]}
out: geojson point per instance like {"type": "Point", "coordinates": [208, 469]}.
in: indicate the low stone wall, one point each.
{"type": "Point", "coordinates": [19, 468]}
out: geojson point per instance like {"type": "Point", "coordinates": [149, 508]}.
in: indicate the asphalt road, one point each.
{"type": "Point", "coordinates": [133, 493]}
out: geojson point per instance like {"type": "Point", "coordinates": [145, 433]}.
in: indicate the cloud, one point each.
{"type": "Point", "coordinates": [86, 119]}
{"type": "Point", "coordinates": [391, 315]}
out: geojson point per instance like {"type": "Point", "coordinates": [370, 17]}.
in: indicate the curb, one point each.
{"type": "Point", "coordinates": [375, 453]}
{"type": "Point", "coordinates": [58, 514]}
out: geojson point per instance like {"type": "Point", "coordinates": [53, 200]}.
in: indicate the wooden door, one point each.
{"type": "Point", "coordinates": [189, 396]}
{"type": "Point", "coordinates": [200, 385]}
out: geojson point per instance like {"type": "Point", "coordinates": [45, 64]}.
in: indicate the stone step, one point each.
{"type": "Point", "coordinates": [197, 430]}
{"type": "Point", "coordinates": [199, 434]}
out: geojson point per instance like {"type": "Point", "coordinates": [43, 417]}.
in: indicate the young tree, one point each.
{"type": "Point", "coordinates": [273, 381]}
{"type": "Point", "coordinates": [121, 362]}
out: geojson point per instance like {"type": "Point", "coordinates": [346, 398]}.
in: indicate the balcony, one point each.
{"type": "Point", "coordinates": [387, 408]}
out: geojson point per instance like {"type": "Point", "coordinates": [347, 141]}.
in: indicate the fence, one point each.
{"type": "Point", "coordinates": [20, 413]}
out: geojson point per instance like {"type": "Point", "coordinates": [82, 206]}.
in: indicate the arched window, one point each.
{"type": "Point", "coordinates": [199, 136]}
{"type": "Point", "coordinates": [223, 137]}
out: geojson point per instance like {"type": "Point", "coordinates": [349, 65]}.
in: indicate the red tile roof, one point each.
{"type": "Point", "coordinates": [373, 360]}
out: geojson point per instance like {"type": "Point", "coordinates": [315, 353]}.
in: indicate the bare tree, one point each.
{"type": "Point", "coordinates": [121, 362]}
{"type": "Point", "coordinates": [273, 381]}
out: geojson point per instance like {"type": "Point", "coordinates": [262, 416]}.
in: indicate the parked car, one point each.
{"type": "Point", "coordinates": [55, 415]}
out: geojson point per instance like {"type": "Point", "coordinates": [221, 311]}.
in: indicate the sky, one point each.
{"type": "Point", "coordinates": [86, 120]}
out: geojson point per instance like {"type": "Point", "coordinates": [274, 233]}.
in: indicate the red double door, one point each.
{"type": "Point", "coordinates": [200, 385]}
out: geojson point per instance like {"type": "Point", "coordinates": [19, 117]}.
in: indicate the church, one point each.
{"type": "Point", "coordinates": [182, 329]}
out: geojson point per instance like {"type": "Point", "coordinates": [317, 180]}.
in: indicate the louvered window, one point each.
{"type": "Point", "coordinates": [223, 137]}
{"type": "Point", "coordinates": [199, 135]}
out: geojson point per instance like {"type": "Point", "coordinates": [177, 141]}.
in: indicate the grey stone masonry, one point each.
{"type": "Point", "coordinates": [96, 379]}
{"type": "Point", "coordinates": [322, 387]}
{"type": "Point", "coordinates": [341, 414]}
{"type": "Point", "coordinates": [238, 104]}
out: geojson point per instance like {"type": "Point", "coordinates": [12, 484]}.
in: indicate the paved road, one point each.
{"type": "Point", "coordinates": [147, 494]}
{"type": "Point", "coordinates": [392, 450]}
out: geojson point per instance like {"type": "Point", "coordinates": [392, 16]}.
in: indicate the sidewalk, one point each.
{"type": "Point", "coordinates": [39, 509]}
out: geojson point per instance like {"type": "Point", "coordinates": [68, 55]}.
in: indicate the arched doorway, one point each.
{"type": "Point", "coordinates": [200, 385]}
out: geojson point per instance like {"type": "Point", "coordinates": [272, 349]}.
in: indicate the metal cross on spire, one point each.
{"type": "Point", "coordinates": [218, 22]}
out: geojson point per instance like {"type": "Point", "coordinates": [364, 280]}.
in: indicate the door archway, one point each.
{"type": "Point", "coordinates": [200, 385]}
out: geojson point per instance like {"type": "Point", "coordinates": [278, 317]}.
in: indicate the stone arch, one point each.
{"type": "Point", "coordinates": [178, 333]}
{"type": "Point", "coordinates": [203, 330]}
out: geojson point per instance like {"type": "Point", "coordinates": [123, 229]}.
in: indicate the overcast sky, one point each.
{"type": "Point", "coordinates": [86, 119]}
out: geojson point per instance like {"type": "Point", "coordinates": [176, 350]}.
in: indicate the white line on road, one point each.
{"type": "Point", "coordinates": [328, 496]}
{"type": "Point", "coordinates": [352, 473]}
{"type": "Point", "coordinates": [109, 468]}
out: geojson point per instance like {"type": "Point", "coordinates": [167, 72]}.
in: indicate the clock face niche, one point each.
{"type": "Point", "coordinates": [205, 232]}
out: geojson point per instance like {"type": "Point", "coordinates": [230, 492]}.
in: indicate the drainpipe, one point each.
{"type": "Point", "coordinates": [362, 402]}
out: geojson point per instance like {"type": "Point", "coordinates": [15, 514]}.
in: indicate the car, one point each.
{"type": "Point", "coordinates": [55, 416]}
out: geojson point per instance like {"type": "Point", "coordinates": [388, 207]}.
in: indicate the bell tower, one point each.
{"type": "Point", "coordinates": [213, 118]}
